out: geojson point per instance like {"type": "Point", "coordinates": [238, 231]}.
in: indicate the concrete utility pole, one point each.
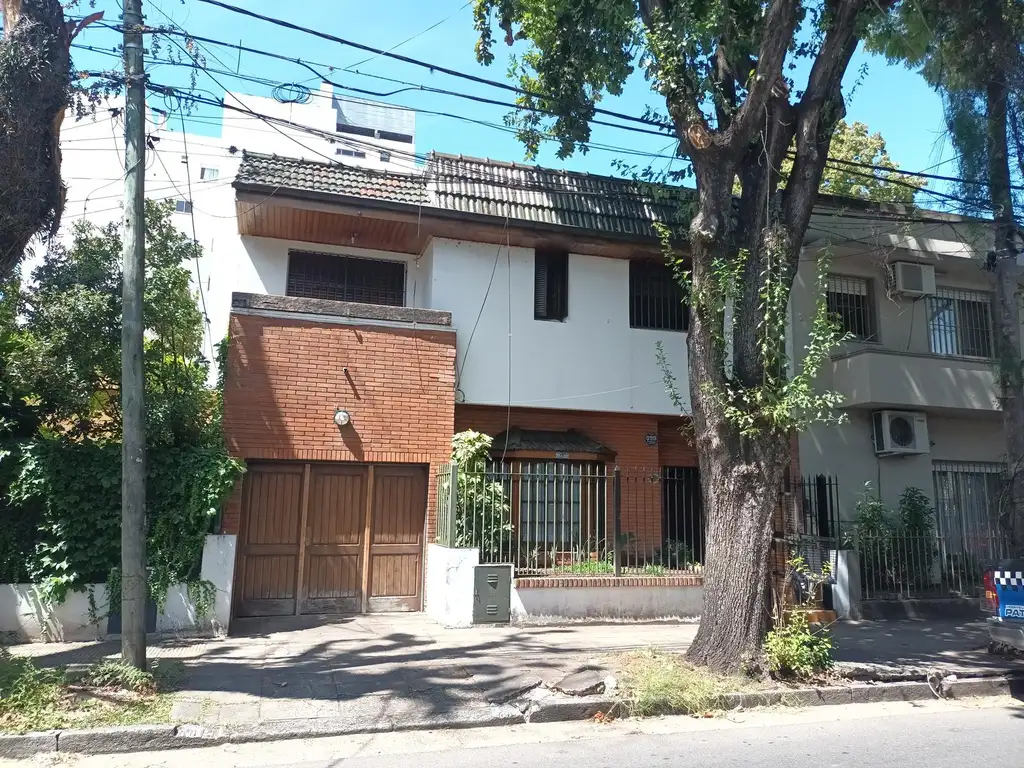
{"type": "Point", "coordinates": [133, 441]}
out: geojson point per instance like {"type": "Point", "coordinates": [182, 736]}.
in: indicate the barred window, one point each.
{"type": "Point", "coordinates": [346, 278]}
{"type": "Point", "coordinates": [849, 300]}
{"type": "Point", "coordinates": [656, 300]}
{"type": "Point", "coordinates": [960, 323]}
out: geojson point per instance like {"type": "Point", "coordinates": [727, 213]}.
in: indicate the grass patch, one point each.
{"type": "Point", "coordinates": [655, 682]}
{"type": "Point", "coordinates": [109, 693]}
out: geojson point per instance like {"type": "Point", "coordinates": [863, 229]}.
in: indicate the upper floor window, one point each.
{"type": "Point", "coordinates": [849, 300]}
{"type": "Point", "coordinates": [346, 278]}
{"type": "Point", "coordinates": [960, 323]}
{"type": "Point", "coordinates": [357, 153]}
{"type": "Point", "coordinates": [550, 285]}
{"type": "Point", "coordinates": [656, 300]}
{"type": "Point", "coordinates": [385, 156]}
{"type": "Point", "coordinates": [208, 174]}
{"type": "Point", "coordinates": [183, 206]}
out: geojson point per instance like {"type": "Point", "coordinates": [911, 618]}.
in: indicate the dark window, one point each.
{"type": "Point", "coordinates": [183, 206]}
{"type": "Point", "coordinates": [351, 152]}
{"type": "Point", "coordinates": [550, 285]}
{"type": "Point", "coordinates": [656, 300]}
{"type": "Point", "coordinates": [385, 156]}
{"type": "Point", "coordinates": [346, 278]}
{"type": "Point", "coordinates": [848, 299]}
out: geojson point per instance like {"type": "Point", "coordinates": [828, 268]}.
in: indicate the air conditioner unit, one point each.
{"type": "Point", "coordinates": [913, 279]}
{"type": "Point", "coordinates": [900, 432]}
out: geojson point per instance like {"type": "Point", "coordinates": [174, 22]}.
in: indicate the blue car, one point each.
{"type": "Point", "coordinates": [1004, 598]}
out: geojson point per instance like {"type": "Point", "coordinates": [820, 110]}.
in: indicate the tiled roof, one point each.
{"type": "Point", "coordinates": [330, 178]}
{"type": "Point", "coordinates": [522, 193]}
{"type": "Point", "coordinates": [570, 441]}
{"type": "Point", "coordinates": [531, 193]}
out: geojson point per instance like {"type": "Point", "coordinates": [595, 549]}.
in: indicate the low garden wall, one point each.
{"type": "Point", "coordinates": [83, 615]}
{"type": "Point", "coordinates": [607, 597]}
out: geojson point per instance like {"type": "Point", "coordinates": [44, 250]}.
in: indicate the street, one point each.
{"type": "Point", "coordinates": [935, 734]}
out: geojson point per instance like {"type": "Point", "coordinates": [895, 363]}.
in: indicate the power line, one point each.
{"type": "Point", "coordinates": [433, 26]}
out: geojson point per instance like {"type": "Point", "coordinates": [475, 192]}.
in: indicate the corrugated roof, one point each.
{"type": "Point", "coordinates": [570, 441]}
{"type": "Point", "coordinates": [331, 178]}
{"type": "Point", "coordinates": [532, 193]}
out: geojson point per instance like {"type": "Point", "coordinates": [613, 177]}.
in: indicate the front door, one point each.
{"type": "Point", "coordinates": [331, 538]}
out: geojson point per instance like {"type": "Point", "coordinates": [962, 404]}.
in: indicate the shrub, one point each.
{"type": "Point", "coordinates": [795, 649]}
{"type": "Point", "coordinates": [26, 692]}
{"type": "Point", "coordinates": [482, 515]}
{"type": "Point", "coordinates": [117, 674]}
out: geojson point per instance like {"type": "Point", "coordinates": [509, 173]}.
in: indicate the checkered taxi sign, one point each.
{"type": "Point", "coordinates": [1012, 579]}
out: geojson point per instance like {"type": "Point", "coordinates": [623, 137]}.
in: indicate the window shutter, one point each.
{"type": "Point", "coordinates": [540, 286]}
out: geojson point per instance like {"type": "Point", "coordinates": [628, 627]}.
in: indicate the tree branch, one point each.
{"type": "Point", "coordinates": [779, 26]}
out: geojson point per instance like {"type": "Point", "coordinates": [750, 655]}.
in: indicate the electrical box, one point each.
{"type": "Point", "coordinates": [492, 594]}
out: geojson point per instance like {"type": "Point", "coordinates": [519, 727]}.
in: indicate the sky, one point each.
{"type": "Point", "coordinates": [889, 99]}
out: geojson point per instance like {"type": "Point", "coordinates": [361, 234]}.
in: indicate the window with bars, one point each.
{"type": "Point", "coordinates": [960, 323]}
{"type": "Point", "coordinates": [967, 500]}
{"type": "Point", "coordinates": [561, 504]}
{"type": "Point", "coordinates": [346, 278]}
{"type": "Point", "coordinates": [656, 300]}
{"type": "Point", "coordinates": [550, 285]}
{"type": "Point", "coordinates": [849, 299]}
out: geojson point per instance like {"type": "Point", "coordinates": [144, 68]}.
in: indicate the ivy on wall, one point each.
{"type": "Point", "coordinates": [61, 477]}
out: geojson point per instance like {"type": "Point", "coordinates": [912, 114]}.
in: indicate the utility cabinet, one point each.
{"type": "Point", "coordinates": [492, 594]}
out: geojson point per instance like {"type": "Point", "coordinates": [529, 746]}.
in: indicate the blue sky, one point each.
{"type": "Point", "coordinates": [889, 99]}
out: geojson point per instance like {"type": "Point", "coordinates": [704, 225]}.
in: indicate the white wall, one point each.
{"type": "Point", "coordinates": [25, 615]}
{"type": "Point", "coordinates": [591, 361]}
{"type": "Point", "coordinates": [450, 587]}
{"type": "Point", "coordinates": [538, 604]}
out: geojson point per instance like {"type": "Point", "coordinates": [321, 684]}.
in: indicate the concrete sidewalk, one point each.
{"type": "Point", "coordinates": [403, 670]}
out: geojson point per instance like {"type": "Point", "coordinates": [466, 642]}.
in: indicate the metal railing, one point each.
{"type": "Point", "coordinates": [960, 323]}
{"type": "Point", "coordinates": [900, 566]}
{"type": "Point", "coordinates": [574, 518]}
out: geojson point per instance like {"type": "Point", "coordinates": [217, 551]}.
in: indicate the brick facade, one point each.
{"type": "Point", "coordinates": [286, 377]}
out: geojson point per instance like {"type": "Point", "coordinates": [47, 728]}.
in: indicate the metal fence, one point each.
{"type": "Point", "coordinates": [899, 566]}
{"type": "Point", "coordinates": [574, 518]}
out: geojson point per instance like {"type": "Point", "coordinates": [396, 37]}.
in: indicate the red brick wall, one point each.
{"type": "Point", "coordinates": [285, 378]}
{"type": "Point", "coordinates": [623, 433]}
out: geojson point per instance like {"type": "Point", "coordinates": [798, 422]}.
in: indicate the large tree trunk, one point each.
{"type": "Point", "coordinates": [1006, 307]}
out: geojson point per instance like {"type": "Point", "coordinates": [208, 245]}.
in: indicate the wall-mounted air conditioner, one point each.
{"type": "Point", "coordinates": [900, 432]}
{"type": "Point", "coordinates": [912, 279]}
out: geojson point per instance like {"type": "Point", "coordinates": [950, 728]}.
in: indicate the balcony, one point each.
{"type": "Point", "coordinates": [882, 378]}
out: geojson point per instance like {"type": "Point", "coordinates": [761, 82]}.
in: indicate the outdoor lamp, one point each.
{"type": "Point", "coordinates": [342, 417]}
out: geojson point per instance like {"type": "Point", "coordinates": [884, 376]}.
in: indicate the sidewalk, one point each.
{"type": "Point", "coordinates": [381, 672]}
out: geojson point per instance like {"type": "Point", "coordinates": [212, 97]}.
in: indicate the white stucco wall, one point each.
{"type": "Point", "coordinates": [538, 604]}
{"type": "Point", "coordinates": [591, 361]}
{"type": "Point", "coordinates": [24, 615]}
{"type": "Point", "coordinates": [450, 585]}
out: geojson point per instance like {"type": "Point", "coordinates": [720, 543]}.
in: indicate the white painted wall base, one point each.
{"type": "Point", "coordinates": [25, 616]}
{"type": "Point", "coordinates": [532, 604]}
{"type": "Point", "coordinates": [846, 590]}
{"type": "Point", "coordinates": [450, 590]}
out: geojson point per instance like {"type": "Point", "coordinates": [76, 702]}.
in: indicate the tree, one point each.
{"type": "Point", "coordinates": [856, 168]}
{"type": "Point", "coordinates": [718, 65]}
{"type": "Point", "coordinates": [971, 52]}
{"type": "Point", "coordinates": [35, 85]}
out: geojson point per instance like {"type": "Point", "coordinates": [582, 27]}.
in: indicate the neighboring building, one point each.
{"type": "Point", "coordinates": [196, 171]}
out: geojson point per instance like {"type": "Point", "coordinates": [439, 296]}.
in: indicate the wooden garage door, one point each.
{"type": "Point", "coordinates": [349, 515]}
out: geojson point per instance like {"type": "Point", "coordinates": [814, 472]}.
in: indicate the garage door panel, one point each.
{"type": "Point", "coordinates": [332, 584]}
{"type": "Point", "coordinates": [338, 506]}
{"type": "Point", "coordinates": [271, 542]}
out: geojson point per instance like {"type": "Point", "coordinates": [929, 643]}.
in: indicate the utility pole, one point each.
{"type": "Point", "coordinates": [134, 591]}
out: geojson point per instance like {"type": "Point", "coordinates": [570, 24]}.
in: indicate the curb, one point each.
{"type": "Point", "coordinates": [554, 708]}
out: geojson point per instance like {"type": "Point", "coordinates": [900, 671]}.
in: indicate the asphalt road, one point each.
{"type": "Point", "coordinates": [981, 733]}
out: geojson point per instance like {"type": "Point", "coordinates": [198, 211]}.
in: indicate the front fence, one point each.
{"type": "Point", "coordinates": [574, 518]}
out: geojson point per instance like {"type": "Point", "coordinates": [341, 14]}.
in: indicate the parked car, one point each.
{"type": "Point", "coordinates": [1004, 598]}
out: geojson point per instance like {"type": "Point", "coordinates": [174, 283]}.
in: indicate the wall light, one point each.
{"type": "Point", "coordinates": [342, 417]}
